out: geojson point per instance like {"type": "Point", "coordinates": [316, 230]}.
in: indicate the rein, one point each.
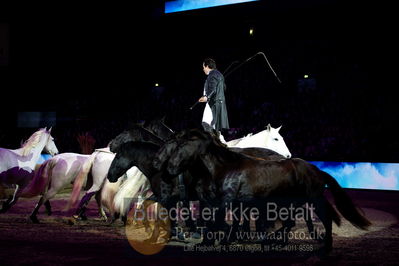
{"type": "Point", "coordinates": [153, 135]}
{"type": "Point", "coordinates": [168, 128]}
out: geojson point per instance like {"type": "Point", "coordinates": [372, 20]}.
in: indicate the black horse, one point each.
{"type": "Point", "coordinates": [141, 155]}
{"type": "Point", "coordinates": [156, 132]}
{"type": "Point", "coordinates": [244, 178]}
{"type": "Point", "coordinates": [206, 189]}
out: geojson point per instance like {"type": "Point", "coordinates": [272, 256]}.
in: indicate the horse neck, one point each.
{"type": "Point", "coordinates": [257, 140]}
{"type": "Point", "coordinates": [141, 158]}
{"type": "Point", "coordinates": [164, 131]}
{"type": "Point", "coordinates": [35, 152]}
{"type": "Point", "coordinates": [219, 157]}
{"type": "Point", "coordinates": [261, 137]}
{"type": "Point", "coordinates": [146, 133]}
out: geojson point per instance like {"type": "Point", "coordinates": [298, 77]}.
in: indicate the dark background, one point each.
{"type": "Point", "coordinates": [95, 66]}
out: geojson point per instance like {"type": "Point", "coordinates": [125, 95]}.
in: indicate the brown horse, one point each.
{"type": "Point", "coordinates": [242, 178]}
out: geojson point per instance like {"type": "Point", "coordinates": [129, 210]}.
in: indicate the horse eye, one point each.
{"type": "Point", "coordinates": [276, 139]}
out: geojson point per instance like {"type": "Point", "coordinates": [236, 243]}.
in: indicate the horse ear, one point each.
{"type": "Point", "coordinates": [49, 131]}
{"type": "Point", "coordinates": [163, 119]}
{"type": "Point", "coordinates": [268, 127]}
{"type": "Point", "coordinates": [278, 129]}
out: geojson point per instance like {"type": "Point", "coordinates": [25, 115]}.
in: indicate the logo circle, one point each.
{"type": "Point", "coordinates": [148, 227]}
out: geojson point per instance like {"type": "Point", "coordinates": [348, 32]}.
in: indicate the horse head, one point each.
{"type": "Point", "coordinates": [117, 168]}
{"type": "Point", "coordinates": [50, 146]}
{"type": "Point", "coordinates": [123, 137]}
{"type": "Point", "coordinates": [133, 153]}
{"type": "Point", "coordinates": [135, 133]}
{"type": "Point", "coordinates": [275, 142]}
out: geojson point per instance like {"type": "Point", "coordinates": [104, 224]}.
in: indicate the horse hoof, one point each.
{"type": "Point", "coordinates": [103, 218]}
{"type": "Point", "coordinates": [72, 220]}
{"type": "Point", "coordinates": [111, 222]}
{"type": "Point", "coordinates": [34, 219]}
{"type": "Point", "coordinates": [79, 217]}
{"type": "Point", "coordinates": [4, 208]}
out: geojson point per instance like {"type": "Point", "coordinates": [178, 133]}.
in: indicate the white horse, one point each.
{"type": "Point", "coordinates": [98, 164]}
{"type": "Point", "coordinates": [17, 166]}
{"type": "Point", "coordinates": [51, 177]}
{"type": "Point", "coordinates": [269, 138]}
{"type": "Point", "coordinates": [119, 197]}
{"type": "Point", "coordinates": [63, 169]}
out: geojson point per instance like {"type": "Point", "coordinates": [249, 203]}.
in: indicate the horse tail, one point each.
{"type": "Point", "coordinates": [80, 180]}
{"type": "Point", "coordinates": [344, 203]}
{"type": "Point", "coordinates": [40, 181]}
{"type": "Point", "coordinates": [129, 191]}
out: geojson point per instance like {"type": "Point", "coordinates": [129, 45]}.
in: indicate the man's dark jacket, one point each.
{"type": "Point", "coordinates": [214, 90]}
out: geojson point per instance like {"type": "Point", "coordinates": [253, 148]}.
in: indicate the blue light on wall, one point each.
{"type": "Point", "coordinates": [183, 5]}
{"type": "Point", "coordinates": [363, 175]}
{"type": "Point", "coordinates": [43, 157]}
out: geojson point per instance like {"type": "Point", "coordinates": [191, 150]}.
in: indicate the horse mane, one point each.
{"type": "Point", "coordinates": [33, 140]}
{"type": "Point", "coordinates": [137, 145]}
{"type": "Point", "coordinates": [215, 144]}
{"type": "Point", "coordinates": [145, 132]}
{"type": "Point", "coordinates": [134, 133]}
{"type": "Point", "coordinates": [157, 123]}
{"type": "Point", "coordinates": [223, 152]}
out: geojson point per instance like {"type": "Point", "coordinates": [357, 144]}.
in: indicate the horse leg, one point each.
{"type": "Point", "coordinates": [43, 199]}
{"type": "Point", "coordinates": [80, 211]}
{"type": "Point", "coordinates": [124, 219]}
{"type": "Point", "coordinates": [236, 220]}
{"type": "Point", "coordinates": [6, 205]}
{"type": "Point", "coordinates": [246, 218]}
{"type": "Point", "coordinates": [309, 220]}
{"type": "Point", "coordinates": [323, 212]}
{"type": "Point", "coordinates": [217, 224]}
{"type": "Point", "coordinates": [33, 216]}
{"type": "Point", "coordinates": [11, 201]}
{"type": "Point", "coordinates": [212, 227]}
{"type": "Point", "coordinates": [115, 216]}
{"type": "Point", "coordinates": [48, 207]}
{"type": "Point", "coordinates": [101, 211]}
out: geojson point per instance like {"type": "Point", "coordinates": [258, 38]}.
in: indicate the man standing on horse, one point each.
{"type": "Point", "coordinates": [215, 112]}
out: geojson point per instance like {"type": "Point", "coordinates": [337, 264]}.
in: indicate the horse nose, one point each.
{"type": "Point", "coordinates": [288, 155]}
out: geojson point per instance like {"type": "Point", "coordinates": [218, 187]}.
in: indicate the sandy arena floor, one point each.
{"type": "Point", "coordinates": [55, 242]}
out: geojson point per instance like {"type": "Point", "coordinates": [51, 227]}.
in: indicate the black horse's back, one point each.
{"type": "Point", "coordinates": [262, 153]}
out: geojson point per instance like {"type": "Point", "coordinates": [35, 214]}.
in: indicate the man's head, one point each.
{"type": "Point", "coordinates": [208, 65]}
